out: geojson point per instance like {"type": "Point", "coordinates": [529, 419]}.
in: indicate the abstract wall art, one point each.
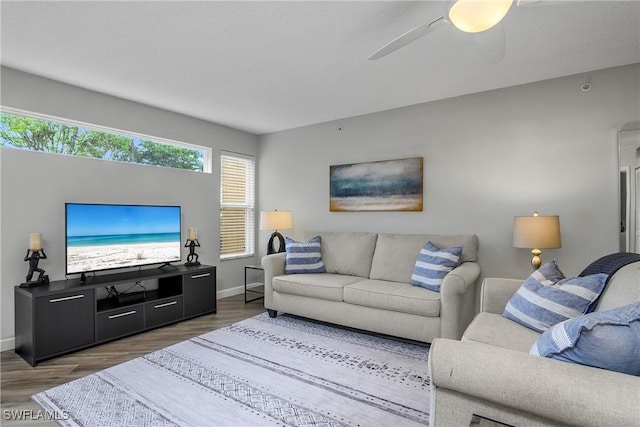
{"type": "Point", "coordinates": [388, 185]}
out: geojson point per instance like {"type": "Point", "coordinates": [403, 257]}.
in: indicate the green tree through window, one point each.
{"type": "Point", "coordinates": [34, 134]}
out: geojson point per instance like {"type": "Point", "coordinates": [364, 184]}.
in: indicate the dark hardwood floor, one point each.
{"type": "Point", "coordinates": [19, 380]}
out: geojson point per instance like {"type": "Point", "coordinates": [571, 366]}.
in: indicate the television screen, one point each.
{"type": "Point", "coordinates": [102, 237]}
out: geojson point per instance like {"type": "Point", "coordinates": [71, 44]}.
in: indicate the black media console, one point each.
{"type": "Point", "coordinates": [68, 315]}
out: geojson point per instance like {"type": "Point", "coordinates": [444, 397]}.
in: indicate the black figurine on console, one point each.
{"type": "Point", "coordinates": [191, 244]}
{"type": "Point", "coordinates": [34, 259]}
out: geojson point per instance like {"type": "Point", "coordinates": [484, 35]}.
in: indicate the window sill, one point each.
{"type": "Point", "coordinates": [234, 257]}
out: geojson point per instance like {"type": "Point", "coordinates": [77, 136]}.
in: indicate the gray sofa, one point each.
{"type": "Point", "coordinates": [367, 285]}
{"type": "Point", "coordinates": [491, 374]}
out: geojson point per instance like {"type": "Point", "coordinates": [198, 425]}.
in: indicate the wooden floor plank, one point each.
{"type": "Point", "coordinates": [19, 380]}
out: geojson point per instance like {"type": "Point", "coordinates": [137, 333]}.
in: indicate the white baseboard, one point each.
{"type": "Point", "coordinates": [230, 292]}
{"type": "Point", "coordinates": [10, 343]}
{"type": "Point", "coordinates": [238, 290]}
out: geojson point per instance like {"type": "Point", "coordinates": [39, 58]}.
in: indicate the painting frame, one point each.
{"type": "Point", "coordinates": [378, 186]}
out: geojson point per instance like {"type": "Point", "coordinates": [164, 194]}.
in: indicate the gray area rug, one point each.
{"type": "Point", "coordinates": [258, 372]}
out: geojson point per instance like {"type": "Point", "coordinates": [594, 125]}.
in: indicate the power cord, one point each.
{"type": "Point", "coordinates": [114, 293]}
{"type": "Point", "coordinates": [134, 285]}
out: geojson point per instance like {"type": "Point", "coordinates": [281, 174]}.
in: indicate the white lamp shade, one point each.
{"type": "Point", "coordinates": [474, 16]}
{"type": "Point", "coordinates": [539, 232]}
{"type": "Point", "coordinates": [193, 234]}
{"type": "Point", "coordinates": [35, 241]}
{"type": "Point", "coordinates": [276, 220]}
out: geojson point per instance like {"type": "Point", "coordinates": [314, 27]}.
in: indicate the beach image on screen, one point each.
{"type": "Point", "coordinates": [103, 237]}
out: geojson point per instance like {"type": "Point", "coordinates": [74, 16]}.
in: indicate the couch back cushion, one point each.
{"type": "Point", "coordinates": [396, 254]}
{"type": "Point", "coordinates": [347, 253]}
{"type": "Point", "coordinates": [623, 288]}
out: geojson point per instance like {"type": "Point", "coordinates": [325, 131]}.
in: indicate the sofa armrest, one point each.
{"type": "Point", "coordinates": [460, 278]}
{"type": "Point", "coordinates": [549, 389]}
{"type": "Point", "coordinates": [273, 265]}
{"type": "Point", "coordinates": [457, 299]}
{"type": "Point", "coordinates": [496, 293]}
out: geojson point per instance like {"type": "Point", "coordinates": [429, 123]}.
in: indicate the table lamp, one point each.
{"type": "Point", "coordinates": [276, 220]}
{"type": "Point", "coordinates": [536, 232]}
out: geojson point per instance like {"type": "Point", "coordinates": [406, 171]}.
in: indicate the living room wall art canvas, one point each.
{"type": "Point", "coordinates": [388, 185]}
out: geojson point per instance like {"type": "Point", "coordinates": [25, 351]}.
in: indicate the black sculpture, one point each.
{"type": "Point", "coordinates": [34, 259]}
{"type": "Point", "coordinates": [191, 244]}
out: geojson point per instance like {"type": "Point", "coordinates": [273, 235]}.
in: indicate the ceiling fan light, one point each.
{"type": "Point", "coordinates": [474, 16]}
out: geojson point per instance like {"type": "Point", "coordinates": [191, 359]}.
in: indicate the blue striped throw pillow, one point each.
{"type": "Point", "coordinates": [303, 257]}
{"type": "Point", "coordinates": [547, 298]}
{"type": "Point", "coordinates": [433, 264]}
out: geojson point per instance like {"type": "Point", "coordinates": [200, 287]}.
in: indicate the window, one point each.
{"type": "Point", "coordinates": [29, 132]}
{"type": "Point", "coordinates": [237, 206]}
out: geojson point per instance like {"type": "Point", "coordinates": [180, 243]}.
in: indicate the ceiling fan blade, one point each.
{"type": "Point", "coordinates": [408, 37]}
{"type": "Point", "coordinates": [525, 3]}
{"type": "Point", "coordinates": [491, 44]}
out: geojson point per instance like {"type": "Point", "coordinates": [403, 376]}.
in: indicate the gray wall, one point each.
{"type": "Point", "coordinates": [34, 186]}
{"type": "Point", "coordinates": [488, 157]}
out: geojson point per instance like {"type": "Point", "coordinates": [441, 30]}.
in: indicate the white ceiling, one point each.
{"type": "Point", "coordinates": [269, 65]}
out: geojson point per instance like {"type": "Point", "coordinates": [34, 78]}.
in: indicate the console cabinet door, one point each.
{"type": "Point", "coordinates": [64, 322]}
{"type": "Point", "coordinates": [199, 292]}
{"type": "Point", "coordinates": [163, 311]}
{"type": "Point", "coordinates": [120, 322]}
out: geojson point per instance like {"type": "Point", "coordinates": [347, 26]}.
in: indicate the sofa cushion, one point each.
{"type": "Point", "coordinates": [347, 253]}
{"type": "Point", "coordinates": [393, 296]}
{"type": "Point", "coordinates": [433, 264]}
{"type": "Point", "coordinates": [622, 288]}
{"type": "Point", "coordinates": [396, 254]}
{"type": "Point", "coordinates": [496, 330]}
{"type": "Point", "coordinates": [540, 303]}
{"type": "Point", "coordinates": [607, 339]}
{"type": "Point", "coordinates": [318, 285]}
{"type": "Point", "coordinates": [303, 257]}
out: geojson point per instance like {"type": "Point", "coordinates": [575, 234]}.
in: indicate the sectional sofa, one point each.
{"type": "Point", "coordinates": [367, 285]}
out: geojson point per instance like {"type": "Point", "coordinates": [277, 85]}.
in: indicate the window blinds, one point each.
{"type": "Point", "coordinates": [237, 210]}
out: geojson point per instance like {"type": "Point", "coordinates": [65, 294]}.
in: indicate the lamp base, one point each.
{"type": "Point", "coordinates": [281, 246]}
{"type": "Point", "coordinates": [536, 260]}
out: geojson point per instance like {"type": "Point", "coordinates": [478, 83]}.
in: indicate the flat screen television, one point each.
{"type": "Point", "coordinates": [108, 236]}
